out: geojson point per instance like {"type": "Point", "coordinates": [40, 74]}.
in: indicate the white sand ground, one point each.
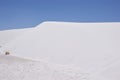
{"type": "Point", "coordinates": [91, 47]}
{"type": "Point", "coordinates": [15, 68]}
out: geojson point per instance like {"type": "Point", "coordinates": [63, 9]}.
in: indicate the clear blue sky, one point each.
{"type": "Point", "coordinates": [29, 13]}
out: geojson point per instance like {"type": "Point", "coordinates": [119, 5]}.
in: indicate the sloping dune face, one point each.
{"type": "Point", "coordinates": [90, 46]}
{"type": "Point", "coordinates": [12, 68]}
{"type": "Point", "coordinates": [8, 35]}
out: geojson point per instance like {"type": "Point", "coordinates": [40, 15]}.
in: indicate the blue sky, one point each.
{"type": "Point", "coordinates": [29, 13]}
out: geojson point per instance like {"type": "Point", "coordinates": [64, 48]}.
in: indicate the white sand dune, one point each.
{"type": "Point", "coordinates": [92, 47]}
{"type": "Point", "coordinates": [8, 35]}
